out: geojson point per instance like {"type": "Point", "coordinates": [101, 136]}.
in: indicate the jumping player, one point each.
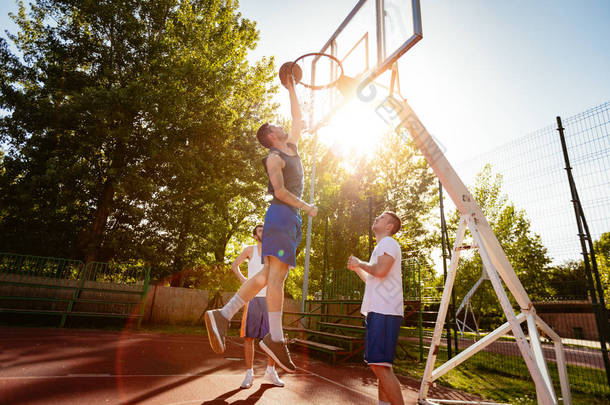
{"type": "Point", "coordinates": [281, 235]}
{"type": "Point", "coordinates": [382, 305]}
{"type": "Point", "coordinates": [255, 322]}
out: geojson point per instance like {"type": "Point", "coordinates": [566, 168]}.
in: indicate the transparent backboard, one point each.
{"type": "Point", "coordinates": [373, 36]}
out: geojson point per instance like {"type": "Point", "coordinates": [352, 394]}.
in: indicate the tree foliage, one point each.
{"type": "Point", "coordinates": [602, 256]}
{"type": "Point", "coordinates": [351, 191]}
{"type": "Point", "coordinates": [130, 130]}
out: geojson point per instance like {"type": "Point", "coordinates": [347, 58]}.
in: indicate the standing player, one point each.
{"type": "Point", "coordinates": [255, 322]}
{"type": "Point", "coordinates": [382, 305]}
{"type": "Point", "coordinates": [281, 235]}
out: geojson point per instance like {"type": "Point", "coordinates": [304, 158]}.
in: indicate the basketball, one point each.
{"type": "Point", "coordinates": [287, 69]}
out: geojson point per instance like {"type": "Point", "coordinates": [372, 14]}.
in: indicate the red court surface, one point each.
{"type": "Point", "coordinates": [54, 366]}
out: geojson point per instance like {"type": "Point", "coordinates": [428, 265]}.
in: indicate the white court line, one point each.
{"type": "Point", "coordinates": [36, 377]}
{"type": "Point", "coordinates": [318, 375]}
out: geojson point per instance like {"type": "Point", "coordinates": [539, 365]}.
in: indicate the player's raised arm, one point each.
{"type": "Point", "coordinates": [295, 111]}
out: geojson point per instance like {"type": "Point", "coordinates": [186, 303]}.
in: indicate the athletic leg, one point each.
{"type": "Point", "coordinates": [249, 359]}
{"type": "Point", "coordinates": [273, 344]}
{"type": "Point", "coordinates": [389, 383]}
{"type": "Point", "coordinates": [278, 271]}
{"type": "Point", "coordinates": [249, 352]}
{"type": "Point", "coordinates": [217, 320]}
{"type": "Point", "coordinates": [246, 292]}
{"type": "Point", "coordinates": [381, 395]}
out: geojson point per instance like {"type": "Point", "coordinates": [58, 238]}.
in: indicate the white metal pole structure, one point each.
{"type": "Point", "coordinates": [498, 269]}
{"type": "Point", "coordinates": [309, 224]}
{"type": "Point", "coordinates": [311, 194]}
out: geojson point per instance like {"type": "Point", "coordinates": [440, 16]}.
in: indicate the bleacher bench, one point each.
{"type": "Point", "coordinates": [64, 287]}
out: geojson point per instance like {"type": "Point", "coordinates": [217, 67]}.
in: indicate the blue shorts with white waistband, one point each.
{"type": "Point", "coordinates": [281, 233]}
{"type": "Point", "coordinates": [381, 338]}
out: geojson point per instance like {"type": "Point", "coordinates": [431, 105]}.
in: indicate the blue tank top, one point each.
{"type": "Point", "coordinates": [292, 172]}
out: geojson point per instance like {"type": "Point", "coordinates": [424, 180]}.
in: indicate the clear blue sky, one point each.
{"type": "Point", "coordinates": [485, 72]}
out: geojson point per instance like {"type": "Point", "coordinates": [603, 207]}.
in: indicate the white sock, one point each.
{"type": "Point", "coordinates": [383, 403]}
{"type": "Point", "coordinates": [232, 307]}
{"type": "Point", "coordinates": [250, 371]}
{"type": "Point", "coordinates": [275, 326]}
{"type": "Point", "coordinates": [270, 369]}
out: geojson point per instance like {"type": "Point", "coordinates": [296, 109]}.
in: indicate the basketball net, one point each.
{"type": "Point", "coordinates": [318, 106]}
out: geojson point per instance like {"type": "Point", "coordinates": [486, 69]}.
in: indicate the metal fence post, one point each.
{"type": "Point", "coordinates": [590, 264]}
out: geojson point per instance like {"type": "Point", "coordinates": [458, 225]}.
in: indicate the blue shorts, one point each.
{"type": "Point", "coordinates": [381, 338]}
{"type": "Point", "coordinates": [255, 321]}
{"type": "Point", "coordinates": [282, 233]}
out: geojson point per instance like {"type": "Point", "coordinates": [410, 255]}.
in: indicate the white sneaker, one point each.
{"type": "Point", "coordinates": [247, 383]}
{"type": "Point", "coordinates": [273, 378]}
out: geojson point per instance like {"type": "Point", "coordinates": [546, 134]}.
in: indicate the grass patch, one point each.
{"type": "Point", "coordinates": [506, 378]}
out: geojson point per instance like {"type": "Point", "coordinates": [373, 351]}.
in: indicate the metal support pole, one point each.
{"type": "Point", "coordinates": [309, 223]}
{"type": "Point", "coordinates": [490, 250]}
{"type": "Point", "coordinates": [324, 282]}
{"type": "Point", "coordinates": [588, 253]}
{"type": "Point", "coordinates": [370, 226]}
{"type": "Point", "coordinates": [444, 248]}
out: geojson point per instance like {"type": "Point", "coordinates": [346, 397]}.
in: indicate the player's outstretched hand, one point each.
{"type": "Point", "coordinates": [353, 263]}
{"type": "Point", "coordinates": [290, 83]}
{"type": "Point", "coordinates": [312, 210]}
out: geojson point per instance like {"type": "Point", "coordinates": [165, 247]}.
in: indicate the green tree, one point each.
{"type": "Point", "coordinates": [130, 130]}
{"type": "Point", "coordinates": [602, 255]}
{"type": "Point", "coordinates": [569, 280]}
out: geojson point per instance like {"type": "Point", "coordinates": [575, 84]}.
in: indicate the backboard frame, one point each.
{"type": "Point", "coordinates": [383, 62]}
{"type": "Point", "coordinates": [374, 62]}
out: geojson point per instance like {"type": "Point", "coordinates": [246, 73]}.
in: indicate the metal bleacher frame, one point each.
{"type": "Point", "coordinates": [36, 285]}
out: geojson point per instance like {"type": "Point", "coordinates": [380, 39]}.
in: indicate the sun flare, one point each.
{"type": "Point", "coordinates": [355, 131]}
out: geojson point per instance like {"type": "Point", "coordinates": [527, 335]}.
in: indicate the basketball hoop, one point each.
{"type": "Point", "coordinates": [323, 84]}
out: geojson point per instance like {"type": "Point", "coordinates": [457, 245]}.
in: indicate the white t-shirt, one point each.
{"type": "Point", "coordinates": [384, 295]}
{"type": "Point", "coordinates": [254, 266]}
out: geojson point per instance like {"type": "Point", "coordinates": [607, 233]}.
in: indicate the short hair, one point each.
{"type": "Point", "coordinates": [255, 228]}
{"type": "Point", "coordinates": [263, 135]}
{"type": "Point", "coordinates": [396, 222]}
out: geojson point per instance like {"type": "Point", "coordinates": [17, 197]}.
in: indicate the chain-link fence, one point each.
{"type": "Point", "coordinates": [534, 178]}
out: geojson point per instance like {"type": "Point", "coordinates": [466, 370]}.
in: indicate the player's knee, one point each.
{"type": "Point", "coordinates": [275, 282]}
{"type": "Point", "coordinates": [380, 370]}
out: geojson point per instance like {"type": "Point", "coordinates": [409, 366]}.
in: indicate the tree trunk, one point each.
{"type": "Point", "coordinates": [94, 236]}
{"type": "Point", "coordinates": [221, 248]}
{"type": "Point", "coordinates": [177, 279]}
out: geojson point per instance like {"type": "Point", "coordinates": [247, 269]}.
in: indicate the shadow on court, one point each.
{"type": "Point", "coordinates": [252, 398]}
{"type": "Point", "coordinates": [54, 366]}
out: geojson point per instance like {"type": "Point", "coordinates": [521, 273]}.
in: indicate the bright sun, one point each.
{"type": "Point", "coordinates": [355, 131]}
